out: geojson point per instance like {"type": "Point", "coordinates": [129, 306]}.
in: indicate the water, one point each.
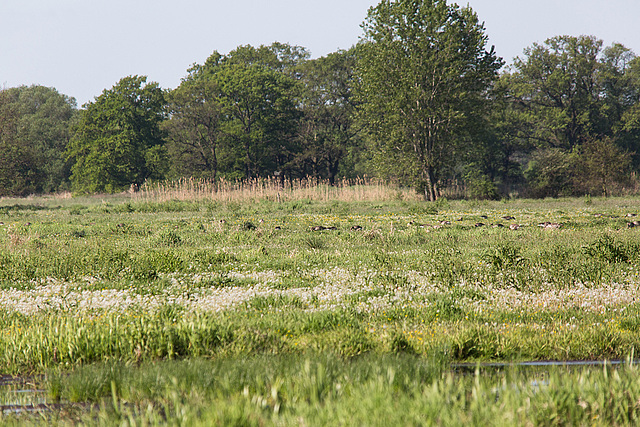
{"type": "Point", "coordinates": [544, 363]}
{"type": "Point", "coordinates": [20, 395]}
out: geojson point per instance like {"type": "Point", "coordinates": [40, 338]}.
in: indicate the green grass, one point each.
{"type": "Point", "coordinates": [399, 389]}
{"type": "Point", "coordinates": [117, 291]}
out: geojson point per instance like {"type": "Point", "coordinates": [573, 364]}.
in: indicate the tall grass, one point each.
{"type": "Point", "coordinates": [98, 289]}
{"type": "Point", "coordinates": [324, 390]}
{"type": "Point", "coordinates": [274, 189]}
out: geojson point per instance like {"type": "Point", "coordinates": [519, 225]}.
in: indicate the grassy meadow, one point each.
{"type": "Point", "coordinates": [318, 305]}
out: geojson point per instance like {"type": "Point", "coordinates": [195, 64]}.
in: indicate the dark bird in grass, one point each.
{"type": "Point", "coordinates": [508, 218]}
{"type": "Point", "coordinates": [356, 228]}
{"type": "Point", "coordinates": [514, 227]}
{"type": "Point", "coordinates": [277, 227]}
{"type": "Point", "coordinates": [445, 222]}
{"type": "Point", "coordinates": [633, 224]}
{"type": "Point", "coordinates": [497, 225]}
{"type": "Point", "coordinates": [484, 216]}
{"type": "Point", "coordinates": [478, 224]}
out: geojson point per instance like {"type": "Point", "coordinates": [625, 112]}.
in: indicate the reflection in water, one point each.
{"type": "Point", "coordinates": [534, 363]}
{"type": "Point", "coordinates": [20, 395]}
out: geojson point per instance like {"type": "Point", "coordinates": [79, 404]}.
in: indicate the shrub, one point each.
{"type": "Point", "coordinates": [608, 249]}
{"type": "Point", "coordinates": [549, 173]}
{"type": "Point", "coordinates": [504, 256]}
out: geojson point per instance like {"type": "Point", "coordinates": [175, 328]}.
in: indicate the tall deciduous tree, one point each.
{"type": "Point", "coordinates": [194, 130]}
{"type": "Point", "coordinates": [423, 71]}
{"type": "Point", "coordinates": [118, 141]}
{"type": "Point", "coordinates": [557, 85]}
{"type": "Point", "coordinates": [261, 116]}
{"type": "Point", "coordinates": [257, 91]}
{"type": "Point", "coordinates": [327, 127]}
{"type": "Point", "coordinates": [568, 98]}
{"type": "Point", "coordinates": [17, 163]}
{"type": "Point", "coordinates": [42, 118]}
{"type": "Point", "coordinates": [628, 129]}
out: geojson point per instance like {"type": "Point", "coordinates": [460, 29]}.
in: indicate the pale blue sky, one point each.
{"type": "Point", "coordinates": [81, 47]}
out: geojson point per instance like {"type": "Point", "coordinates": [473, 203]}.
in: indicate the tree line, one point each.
{"type": "Point", "coordinates": [421, 99]}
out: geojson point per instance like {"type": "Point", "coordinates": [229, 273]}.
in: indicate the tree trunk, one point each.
{"type": "Point", "coordinates": [430, 190]}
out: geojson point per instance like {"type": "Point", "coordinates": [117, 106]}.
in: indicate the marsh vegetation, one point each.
{"type": "Point", "coordinates": [135, 310]}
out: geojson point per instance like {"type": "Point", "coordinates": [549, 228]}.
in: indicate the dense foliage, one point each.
{"type": "Point", "coordinates": [423, 75]}
{"type": "Point", "coordinates": [421, 100]}
{"type": "Point", "coordinates": [35, 127]}
{"type": "Point", "coordinates": [118, 141]}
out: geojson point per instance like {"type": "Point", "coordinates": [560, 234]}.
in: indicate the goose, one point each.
{"type": "Point", "coordinates": [415, 224]}
{"type": "Point", "coordinates": [553, 225]}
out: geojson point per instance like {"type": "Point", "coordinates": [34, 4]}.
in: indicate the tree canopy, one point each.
{"type": "Point", "coordinates": [423, 72]}
{"type": "Point", "coordinates": [421, 99]}
{"type": "Point", "coordinates": [35, 123]}
{"type": "Point", "coordinates": [566, 100]}
{"type": "Point", "coordinates": [118, 141]}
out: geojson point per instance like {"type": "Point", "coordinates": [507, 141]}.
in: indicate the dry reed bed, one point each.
{"type": "Point", "coordinates": [274, 189]}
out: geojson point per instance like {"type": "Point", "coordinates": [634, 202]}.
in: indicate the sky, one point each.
{"type": "Point", "coordinates": [81, 47]}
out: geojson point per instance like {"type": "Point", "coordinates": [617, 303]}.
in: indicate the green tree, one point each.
{"type": "Point", "coordinates": [550, 173]}
{"type": "Point", "coordinates": [628, 128]}
{"type": "Point", "coordinates": [41, 133]}
{"type": "Point", "coordinates": [327, 130]}
{"type": "Point", "coordinates": [18, 164]}
{"type": "Point", "coordinates": [423, 72]}
{"type": "Point", "coordinates": [556, 85]}
{"type": "Point", "coordinates": [601, 165]}
{"type": "Point", "coordinates": [257, 94]}
{"type": "Point", "coordinates": [571, 95]}
{"type": "Point", "coordinates": [258, 103]}
{"type": "Point", "coordinates": [194, 130]}
{"type": "Point", "coordinates": [118, 141]}
{"type": "Point", "coordinates": [617, 91]}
